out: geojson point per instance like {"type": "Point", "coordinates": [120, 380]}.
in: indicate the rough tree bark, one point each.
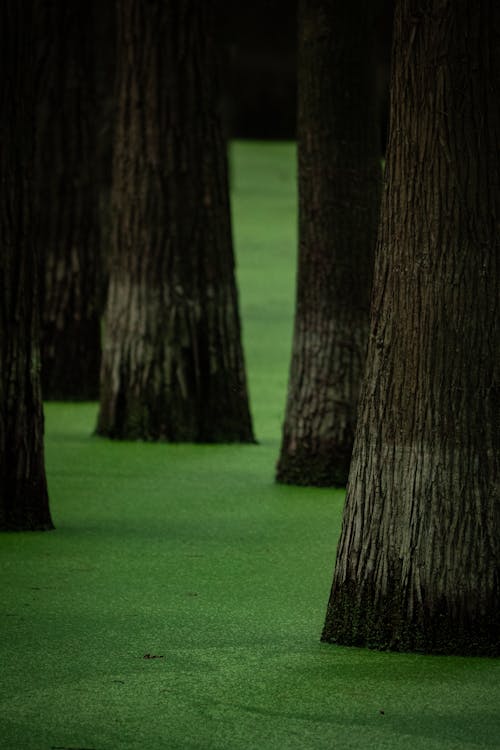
{"type": "Point", "coordinates": [172, 362]}
{"type": "Point", "coordinates": [418, 564]}
{"type": "Point", "coordinates": [339, 194]}
{"type": "Point", "coordinates": [68, 204]}
{"type": "Point", "coordinates": [23, 487]}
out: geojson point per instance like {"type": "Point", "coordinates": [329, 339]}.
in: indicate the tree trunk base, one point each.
{"type": "Point", "coordinates": [150, 427]}
{"type": "Point", "coordinates": [308, 469]}
{"type": "Point", "coordinates": [447, 628]}
{"type": "Point", "coordinates": [21, 518]}
{"type": "Point", "coordinates": [203, 439]}
{"type": "Point", "coordinates": [35, 526]}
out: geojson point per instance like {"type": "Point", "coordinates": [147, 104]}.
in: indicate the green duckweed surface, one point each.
{"type": "Point", "coordinates": [180, 601]}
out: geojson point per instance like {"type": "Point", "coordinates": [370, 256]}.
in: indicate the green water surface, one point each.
{"type": "Point", "coordinates": [180, 601]}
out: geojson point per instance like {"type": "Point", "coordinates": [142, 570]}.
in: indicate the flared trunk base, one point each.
{"type": "Point", "coordinates": [314, 469]}
{"type": "Point", "coordinates": [456, 627]}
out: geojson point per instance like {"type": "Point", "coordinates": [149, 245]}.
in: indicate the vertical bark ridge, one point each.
{"type": "Point", "coordinates": [418, 563]}
{"type": "Point", "coordinates": [23, 488]}
{"type": "Point", "coordinates": [339, 187]}
{"type": "Point", "coordinates": [173, 364]}
{"type": "Point", "coordinates": [68, 205]}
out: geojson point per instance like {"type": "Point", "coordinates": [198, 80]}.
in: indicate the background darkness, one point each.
{"type": "Point", "coordinates": [258, 65]}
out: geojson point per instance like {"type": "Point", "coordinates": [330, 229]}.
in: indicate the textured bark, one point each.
{"type": "Point", "coordinates": [23, 488]}
{"type": "Point", "coordinates": [339, 193]}
{"type": "Point", "coordinates": [172, 361]}
{"type": "Point", "coordinates": [418, 564]}
{"type": "Point", "coordinates": [104, 44]}
{"type": "Point", "coordinates": [68, 204]}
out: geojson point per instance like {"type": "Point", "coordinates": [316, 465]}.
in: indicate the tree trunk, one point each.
{"type": "Point", "coordinates": [68, 206]}
{"type": "Point", "coordinates": [418, 564]}
{"type": "Point", "coordinates": [172, 362]}
{"type": "Point", "coordinates": [104, 46]}
{"type": "Point", "coordinates": [339, 188]}
{"type": "Point", "coordinates": [23, 487]}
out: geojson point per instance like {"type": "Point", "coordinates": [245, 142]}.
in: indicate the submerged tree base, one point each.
{"type": "Point", "coordinates": [209, 437]}
{"type": "Point", "coordinates": [30, 526]}
{"type": "Point", "coordinates": [447, 628]}
{"type": "Point", "coordinates": [313, 468]}
{"type": "Point", "coordinates": [178, 423]}
{"type": "Point", "coordinates": [21, 514]}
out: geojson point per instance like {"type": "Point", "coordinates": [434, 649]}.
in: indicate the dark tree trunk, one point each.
{"type": "Point", "coordinates": [418, 564]}
{"type": "Point", "coordinates": [23, 488]}
{"type": "Point", "coordinates": [172, 361]}
{"type": "Point", "coordinates": [339, 190]}
{"type": "Point", "coordinates": [104, 44]}
{"type": "Point", "coordinates": [68, 205]}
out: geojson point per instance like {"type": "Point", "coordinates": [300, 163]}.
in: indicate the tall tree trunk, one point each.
{"type": "Point", "coordinates": [23, 487]}
{"type": "Point", "coordinates": [418, 564]}
{"type": "Point", "coordinates": [104, 45]}
{"type": "Point", "coordinates": [172, 362]}
{"type": "Point", "coordinates": [339, 191]}
{"type": "Point", "coordinates": [68, 205]}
